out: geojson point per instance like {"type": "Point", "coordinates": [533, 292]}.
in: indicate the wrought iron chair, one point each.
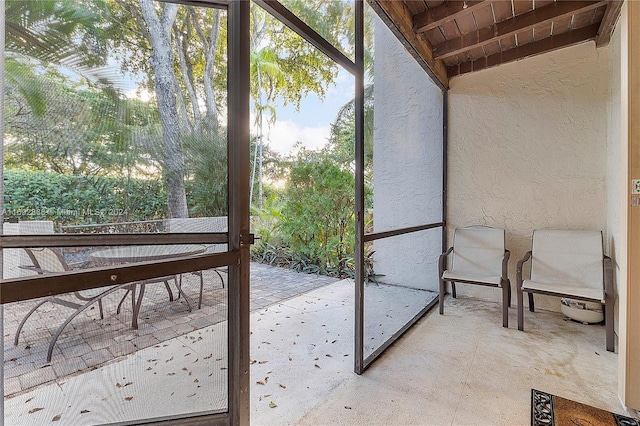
{"type": "Point", "coordinates": [201, 224]}
{"type": "Point", "coordinates": [51, 260]}
{"type": "Point", "coordinates": [568, 263]}
{"type": "Point", "coordinates": [478, 256]}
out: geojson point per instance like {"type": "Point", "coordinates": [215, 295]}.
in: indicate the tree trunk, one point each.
{"type": "Point", "coordinates": [162, 61]}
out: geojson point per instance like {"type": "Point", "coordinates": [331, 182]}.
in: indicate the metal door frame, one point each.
{"type": "Point", "coordinates": [238, 237]}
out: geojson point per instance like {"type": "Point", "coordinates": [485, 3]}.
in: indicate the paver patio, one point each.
{"type": "Point", "coordinates": [89, 342]}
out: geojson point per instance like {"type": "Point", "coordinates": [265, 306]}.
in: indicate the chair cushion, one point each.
{"type": "Point", "coordinates": [453, 276]}
{"type": "Point", "coordinates": [478, 251]}
{"type": "Point", "coordinates": [566, 259]}
{"type": "Point", "coordinates": [565, 289]}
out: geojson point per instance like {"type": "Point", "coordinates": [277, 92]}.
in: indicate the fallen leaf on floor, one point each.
{"type": "Point", "coordinates": [170, 359]}
{"type": "Point", "coordinates": [129, 398]}
{"type": "Point", "coordinates": [267, 395]}
{"type": "Point", "coordinates": [328, 355]}
{"type": "Point", "coordinates": [290, 359]}
{"type": "Point", "coordinates": [316, 365]}
{"type": "Point", "coordinates": [266, 379]}
{"type": "Point", "coordinates": [260, 382]}
{"type": "Point", "coordinates": [171, 374]}
{"type": "Point", "coordinates": [188, 354]}
{"type": "Point", "coordinates": [262, 362]}
{"type": "Point", "coordinates": [185, 369]}
{"type": "Point", "coordinates": [272, 404]}
{"type": "Point", "coordinates": [196, 360]}
{"type": "Point", "coordinates": [28, 400]}
{"type": "Point", "coordinates": [127, 384]}
{"type": "Point", "coordinates": [56, 418]}
{"type": "Point", "coordinates": [193, 394]}
{"type": "Point", "coordinates": [347, 407]}
{"type": "Point", "coordinates": [282, 386]}
{"type": "Point", "coordinates": [34, 410]}
{"type": "Point", "coordinates": [196, 381]}
{"type": "Point", "coordinates": [85, 411]}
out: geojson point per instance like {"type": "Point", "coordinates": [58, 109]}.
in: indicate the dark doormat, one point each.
{"type": "Point", "coordinates": [552, 410]}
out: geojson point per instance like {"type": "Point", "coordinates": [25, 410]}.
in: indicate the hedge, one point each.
{"type": "Point", "coordinates": [78, 199]}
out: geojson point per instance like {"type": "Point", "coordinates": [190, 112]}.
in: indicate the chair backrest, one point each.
{"type": "Point", "coordinates": [478, 251]}
{"type": "Point", "coordinates": [201, 224]}
{"type": "Point", "coordinates": [568, 257]}
{"type": "Point", "coordinates": [47, 259]}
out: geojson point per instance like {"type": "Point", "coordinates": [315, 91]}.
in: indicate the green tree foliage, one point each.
{"type": "Point", "coordinates": [318, 213]}
{"type": "Point", "coordinates": [86, 130]}
{"type": "Point", "coordinates": [76, 199]}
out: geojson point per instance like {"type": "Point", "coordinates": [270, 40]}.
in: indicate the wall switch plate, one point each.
{"type": "Point", "coordinates": [635, 186]}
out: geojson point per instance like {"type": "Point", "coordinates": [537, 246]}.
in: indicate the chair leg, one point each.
{"type": "Point", "coordinates": [15, 339]}
{"type": "Point", "coordinates": [509, 288]}
{"type": "Point", "coordinates": [443, 285]}
{"type": "Point", "coordinates": [166, 285]}
{"type": "Point", "coordinates": [101, 310]}
{"type": "Point", "coordinates": [122, 300]}
{"type": "Point", "coordinates": [202, 288]}
{"type": "Point", "coordinates": [136, 304]}
{"type": "Point", "coordinates": [608, 322]}
{"type": "Point", "coordinates": [532, 306]}
{"type": "Point", "coordinates": [453, 289]}
{"type": "Point", "coordinates": [506, 292]}
{"type": "Point", "coordinates": [520, 308]}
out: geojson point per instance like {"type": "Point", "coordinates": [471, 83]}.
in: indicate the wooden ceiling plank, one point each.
{"type": "Point", "coordinates": [502, 10]}
{"type": "Point", "coordinates": [492, 48]}
{"type": "Point", "coordinates": [445, 12]}
{"type": "Point", "coordinates": [525, 36]}
{"type": "Point", "coordinates": [608, 23]}
{"type": "Point", "coordinates": [435, 36]}
{"type": "Point", "coordinates": [519, 24]}
{"type": "Point", "coordinates": [561, 25]}
{"type": "Point", "coordinates": [522, 6]}
{"type": "Point", "coordinates": [399, 19]}
{"type": "Point", "coordinates": [415, 6]}
{"type": "Point", "coordinates": [466, 23]}
{"type": "Point", "coordinates": [536, 48]}
{"type": "Point", "coordinates": [542, 31]}
{"type": "Point", "coordinates": [484, 17]}
{"type": "Point", "coordinates": [450, 30]}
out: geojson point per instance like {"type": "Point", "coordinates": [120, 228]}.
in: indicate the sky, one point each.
{"type": "Point", "coordinates": [311, 125]}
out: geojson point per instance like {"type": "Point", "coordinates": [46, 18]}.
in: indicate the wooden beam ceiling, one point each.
{"type": "Point", "coordinates": [511, 27]}
{"type": "Point", "coordinates": [453, 37]}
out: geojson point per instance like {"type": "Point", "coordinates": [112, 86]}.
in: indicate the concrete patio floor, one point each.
{"type": "Point", "coordinates": [89, 342]}
{"type": "Point", "coordinates": [462, 368]}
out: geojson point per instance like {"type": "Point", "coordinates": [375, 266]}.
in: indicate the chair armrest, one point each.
{"type": "Point", "coordinates": [608, 277]}
{"type": "Point", "coordinates": [521, 262]}
{"type": "Point", "coordinates": [32, 268]}
{"type": "Point", "coordinates": [442, 261]}
{"type": "Point", "coordinates": [505, 264]}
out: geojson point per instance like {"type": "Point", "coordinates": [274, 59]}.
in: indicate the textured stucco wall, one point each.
{"type": "Point", "coordinates": [528, 149]}
{"type": "Point", "coordinates": [407, 171]}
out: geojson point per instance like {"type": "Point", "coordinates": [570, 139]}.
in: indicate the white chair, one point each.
{"type": "Point", "coordinates": [201, 224]}
{"type": "Point", "coordinates": [478, 256]}
{"type": "Point", "coordinates": [568, 263]}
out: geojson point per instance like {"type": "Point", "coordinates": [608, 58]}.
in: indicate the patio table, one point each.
{"type": "Point", "coordinates": [144, 253]}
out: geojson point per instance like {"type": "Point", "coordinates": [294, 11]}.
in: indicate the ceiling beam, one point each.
{"type": "Point", "coordinates": [608, 24]}
{"type": "Point", "coordinates": [398, 18]}
{"type": "Point", "coordinates": [531, 49]}
{"type": "Point", "coordinates": [508, 28]}
{"type": "Point", "coordinates": [447, 11]}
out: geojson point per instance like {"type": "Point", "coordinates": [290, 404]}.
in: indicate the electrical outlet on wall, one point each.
{"type": "Point", "coordinates": [635, 186]}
